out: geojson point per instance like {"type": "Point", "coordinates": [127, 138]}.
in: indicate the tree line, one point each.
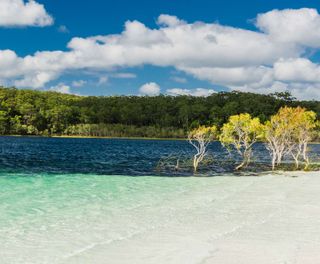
{"type": "Point", "coordinates": [29, 112]}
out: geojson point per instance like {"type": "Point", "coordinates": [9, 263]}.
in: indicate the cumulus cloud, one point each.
{"type": "Point", "coordinates": [151, 89]}
{"type": "Point", "coordinates": [17, 13]}
{"type": "Point", "coordinates": [195, 92]}
{"type": "Point", "coordinates": [259, 61]}
{"type": "Point", "coordinates": [301, 26]}
{"type": "Point", "coordinates": [170, 21]}
{"type": "Point", "coordinates": [184, 46]}
{"type": "Point", "coordinates": [297, 70]}
{"type": "Point", "coordinates": [232, 75]}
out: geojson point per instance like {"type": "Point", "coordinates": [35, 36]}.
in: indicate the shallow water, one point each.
{"type": "Point", "coordinates": [117, 219]}
{"type": "Point", "coordinates": [62, 202]}
{"type": "Point", "coordinates": [58, 217]}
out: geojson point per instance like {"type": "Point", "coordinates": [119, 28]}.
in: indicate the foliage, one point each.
{"type": "Point", "coordinates": [303, 132]}
{"type": "Point", "coordinates": [241, 132]}
{"type": "Point", "coordinates": [29, 112]}
{"type": "Point", "coordinates": [200, 138]}
{"type": "Point", "coordinates": [119, 130]}
{"type": "Point", "coordinates": [288, 133]}
{"type": "Point", "coordinates": [289, 124]}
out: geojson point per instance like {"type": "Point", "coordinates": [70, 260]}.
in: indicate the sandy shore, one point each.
{"type": "Point", "coordinates": [219, 220]}
{"type": "Point", "coordinates": [248, 220]}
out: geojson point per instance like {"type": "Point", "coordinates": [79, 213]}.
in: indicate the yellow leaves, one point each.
{"type": "Point", "coordinates": [291, 122]}
{"type": "Point", "coordinates": [204, 132]}
{"type": "Point", "coordinates": [287, 133]}
{"type": "Point", "coordinates": [200, 139]}
{"type": "Point", "coordinates": [241, 128]}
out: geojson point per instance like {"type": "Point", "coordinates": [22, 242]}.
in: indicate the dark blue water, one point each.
{"type": "Point", "coordinates": [115, 156]}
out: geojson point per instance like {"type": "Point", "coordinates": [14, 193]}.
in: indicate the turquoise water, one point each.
{"type": "Point", "coordinates": [81, 218]}
{"type": "Point", "coordinates": [76, 201]}
{"type": "Point", "coordinates": [52, 218]}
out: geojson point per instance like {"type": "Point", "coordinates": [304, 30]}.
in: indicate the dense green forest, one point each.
{"type": "Point", "coordinates": [29, 112]}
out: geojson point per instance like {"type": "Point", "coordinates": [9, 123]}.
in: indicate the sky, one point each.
{"type": "Point", "coordinates": [140, 47]}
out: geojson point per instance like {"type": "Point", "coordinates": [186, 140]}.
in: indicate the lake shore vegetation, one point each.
{"type": "Point", "coordinates": [287, 133]}
{"type": "Point", "coordinates": [47, 113]}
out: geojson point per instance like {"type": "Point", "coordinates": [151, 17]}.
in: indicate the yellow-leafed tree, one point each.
{"type": "Point", "coordinates": [200, 138]}
{"type": "Point", "coordinates": [304, 131]}
{"type": "Point", "coordinates": [288, 133]}
{"type": "Point", "coordinates": [241, 132]}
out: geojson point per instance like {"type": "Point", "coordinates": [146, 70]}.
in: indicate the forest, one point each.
{"type": "Point", "coordinates": [47, 113]}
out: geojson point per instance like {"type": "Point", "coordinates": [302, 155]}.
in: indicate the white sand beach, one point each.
{"type": "Point", "coordinates": [152, 220]}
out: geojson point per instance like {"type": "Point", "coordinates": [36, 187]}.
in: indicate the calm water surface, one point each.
{"type": "Point", "coordinates": [108, 156]}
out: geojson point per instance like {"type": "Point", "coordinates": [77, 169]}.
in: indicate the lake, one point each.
{"type": "Point", "coordinates": [75, 201]}
{"type": "Point", "coordinates": [111, 156]}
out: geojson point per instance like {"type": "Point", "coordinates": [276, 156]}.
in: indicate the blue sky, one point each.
{"type": "Point", "coordinates": [84, 19]}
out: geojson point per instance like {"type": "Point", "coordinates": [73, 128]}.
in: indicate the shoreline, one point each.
{"type": "Point", "coordinates": [101, 137]}
{"type": "Point", "coordinates": [95, 137]}
{"type": "Point", "coordinates": [220, 220]}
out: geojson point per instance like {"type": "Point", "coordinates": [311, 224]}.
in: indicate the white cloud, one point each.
{"type": "Point", "coordinates": [196, 92]}
{"type": "Point", "coordinates": [61, 88]}
{"type": "Point", "coordinates": [300, 26]}
{"type": "Point", "coordinates": [170, 21]}
{"type": "Point", "coordinates": [35, 80]}
{"type": "Point", "coordinates": [303, 91]}
{"type": "Point", "coordinates": [17, 13]}
{"type": "Point", "coordinates": [186, 46]}
{"type": "Point", "coordinates": [258, 61]}
{"type": "Point", "coordinates": [231, 76]}
{"type": "Point", "coordinates": [297, 70]}
{"type": "Point", "coordinates": [150, 89]}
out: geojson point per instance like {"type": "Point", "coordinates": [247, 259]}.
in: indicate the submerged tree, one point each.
{"type": "Point", "coordinates": [279, 135]}
{"type": "Point", "coordinates": [200, 138]}
{"type": "Point", "coordinates": [303, 132]}
{"type": "Point", "coordinates": [288, 133]}
{"type": "Point", "coordinates": [241, 132]}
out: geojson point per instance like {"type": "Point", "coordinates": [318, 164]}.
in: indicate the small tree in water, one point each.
{"type": "Point", "coordinates": [303, 132]}
{"type": "Point", "coordinates": [200, 138]}
{"type": "Point", "coordinates": [288, 133]}
{"type": "Point", "coordinates": [279, 135]}
{"type": "Point", "coordinates": [241, 132]}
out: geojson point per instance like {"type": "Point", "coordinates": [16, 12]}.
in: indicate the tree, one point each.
{"type": "Point", "coordinates": [3, 122]}
{"type": "Point", "coordinates": [303, 132]}
{"type": "Point", "coordinates": [289, 132]}
{"type": "Point", "coordinates": [279, 135]}
{"type": "Point", "coordinates": [241, 132]}
{"type": "Point", "coordinates": [286, 96]}
{"type": "Point", "coordinates": [47, 113]}
{"type": "Point", "coordinates": [200, 138]}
